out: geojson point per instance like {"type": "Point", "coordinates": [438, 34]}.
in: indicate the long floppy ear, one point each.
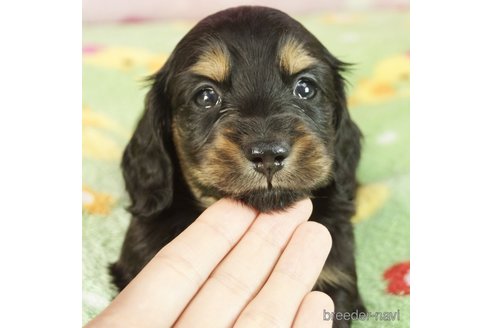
{"type": "Point", "coordinates": [147, 166]}
{"type": "Point", "coordinates": [348, 136]}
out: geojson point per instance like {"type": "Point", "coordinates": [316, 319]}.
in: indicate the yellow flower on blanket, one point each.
{"type": "Point", "coordinates": [384, 83]}
{"type": "Point", "coordinates": [98, 146]}
{"type": "Point", "coordinates": [370, 199]}
{"type": "Point", "coordinates": [393, 69]}
{"type": "Point", "coordinates": [125, 59]}
{"type": "Point", "coordinates": [94, 119]}
{"type": "Point", "coordinates": [99, 133]}
{"type": "Point", "coordinates": [96, 202]}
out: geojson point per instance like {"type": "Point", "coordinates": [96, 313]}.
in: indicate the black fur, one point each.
{"type": "Point", "coordinates": [162, 203]}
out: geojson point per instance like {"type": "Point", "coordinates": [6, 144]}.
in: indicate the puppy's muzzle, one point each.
{"type": "Point", "coordinates": [267, 157]}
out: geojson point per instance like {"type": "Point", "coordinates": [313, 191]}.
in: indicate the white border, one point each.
{"type": "Point", "coordinates": [40, 172]}
{"type": "Point", "coordinates": [40, 175]}
{"type": "Point", "coordinates": [451, 165]}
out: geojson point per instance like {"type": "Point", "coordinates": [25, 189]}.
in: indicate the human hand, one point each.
{"type": "Point", "coordinates": [231, 267]}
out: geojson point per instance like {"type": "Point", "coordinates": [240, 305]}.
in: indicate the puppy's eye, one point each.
{"type": "Point", "coordinates": [304, 89]}
{"type": "Point", "coordinates": [207, 98]}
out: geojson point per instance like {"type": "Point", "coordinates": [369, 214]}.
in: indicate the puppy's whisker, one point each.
{"type": "Point", "coordinates": [307, 115]}
{"type": "Point", "coordinates": [227, 110]}
{"type": "Point", "coordinates": [204, 141]}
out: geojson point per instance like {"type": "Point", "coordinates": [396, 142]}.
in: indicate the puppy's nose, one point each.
{"type": "Point", "coordinates": [267, 157]}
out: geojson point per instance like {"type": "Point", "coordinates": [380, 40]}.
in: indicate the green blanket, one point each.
{"type": "Point", "coordinates": [116, 58]}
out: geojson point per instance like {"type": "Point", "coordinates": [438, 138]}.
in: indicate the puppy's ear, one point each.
{"type": "Point", "coordinates": [348, 135]}
{"type": "Point", "coordinates": [147, 166]}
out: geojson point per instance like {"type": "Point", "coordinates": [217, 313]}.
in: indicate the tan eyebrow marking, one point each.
{"type": "Point", "coordinates": [294, 57]}
{"type": "Point", "coordinates": [213, 63]}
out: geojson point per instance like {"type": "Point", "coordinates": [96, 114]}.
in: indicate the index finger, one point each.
{"type": "Point", "coordinates": [160, 292]}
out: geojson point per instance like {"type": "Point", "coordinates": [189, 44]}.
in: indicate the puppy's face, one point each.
{"type": "Point", "coordinates": [249, 105]}
{"type": "Point", "coordinates": [253, 100]}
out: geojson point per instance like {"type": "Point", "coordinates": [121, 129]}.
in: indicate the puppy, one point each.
{"type": "Point", "coordinates": [251, 106]}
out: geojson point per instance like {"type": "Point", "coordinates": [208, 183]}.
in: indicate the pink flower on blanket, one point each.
{"type": "Point", "coordinates": [91, 49]}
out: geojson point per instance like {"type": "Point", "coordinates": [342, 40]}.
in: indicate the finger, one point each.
{"type": "Point", "coordinates": [292, 278]}
{"type": "Point", "coordinates": [160, 292]}
{"type": "Point", "coordinates": [244, 271]}
{"type": "Point", "coordinates": [315, 311]}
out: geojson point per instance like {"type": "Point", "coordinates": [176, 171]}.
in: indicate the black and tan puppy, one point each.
{"type": "Point", "coordinates": [251, 106]}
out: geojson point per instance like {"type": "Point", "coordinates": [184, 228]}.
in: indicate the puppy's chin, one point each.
{"type": "Point", "coordinates": [269, 200]}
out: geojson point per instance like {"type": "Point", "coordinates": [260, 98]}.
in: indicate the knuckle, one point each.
{"type": "Point", "coordinates": [267, 237]}
{"type": "Point", "coordinates": [181, 266]}
{"type": "Point", "coordinates": [217, 231]}
{"type": "Point", "coordinates": [261, 319]}
{"type": "Point", "coordinates": [295, 277]}
{"type": "Point", "coordinates": [231, 283]}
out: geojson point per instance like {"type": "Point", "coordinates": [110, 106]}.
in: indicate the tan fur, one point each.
{"type": "Point", "coordinates": [189, 172]}
{"type": "Point", "coordinates": [307, 152]}
{"type": "Point", "coordinates": [215, 167]}
{"type": "Point", "coordinates": [334, 277]}
{"type": "Point", "coordinates": [293, 57]}
{"type": "Point", "coordinates": [213, 63]}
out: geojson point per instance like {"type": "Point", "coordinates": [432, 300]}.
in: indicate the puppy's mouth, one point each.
{"type": "Point", "coordinates": [265, 188]}
{"type": "Point", "coordinates": [264, 199]}
{"type": "Point", "coordinates": [272, 199]}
